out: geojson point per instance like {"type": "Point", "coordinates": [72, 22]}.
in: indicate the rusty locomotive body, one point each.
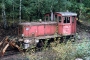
{"type": "Point", "coordinates": [55, 25]}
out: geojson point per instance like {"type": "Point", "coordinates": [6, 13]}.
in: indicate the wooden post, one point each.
{"type": "Point", "coordinates": [4, 49]}
{"type": "Point", "coordinates": [15, 45]}
{"type": "Point", "coordinates": [5, 39]}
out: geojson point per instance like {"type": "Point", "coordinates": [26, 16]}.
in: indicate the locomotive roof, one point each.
{"type": "Point", "coordinates": [67, 13]}
{"type": "Point", "coordinates": [36, 23]}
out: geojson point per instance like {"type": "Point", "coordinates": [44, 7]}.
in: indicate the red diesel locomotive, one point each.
{"type": "Point", "coordinates": [56, 24]}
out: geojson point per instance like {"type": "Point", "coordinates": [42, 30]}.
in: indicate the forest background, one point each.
{"type": "Point", "coordinates": [30, 10]}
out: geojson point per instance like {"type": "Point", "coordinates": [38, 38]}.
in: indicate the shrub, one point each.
{"type": "Point", "coordinates": [64, 51]}
{"type": "Point", "coordinates": [70, 51]}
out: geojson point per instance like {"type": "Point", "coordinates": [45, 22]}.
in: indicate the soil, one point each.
{"type": "Point", "coordinates": [83, 32]}
{"type": "Point", "coordinates": [10, 31]}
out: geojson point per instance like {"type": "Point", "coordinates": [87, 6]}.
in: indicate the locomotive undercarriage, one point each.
{"type": "Point", "coordinates": [25, 43]}
{"type": "Point", "coordinates": [31, 42]}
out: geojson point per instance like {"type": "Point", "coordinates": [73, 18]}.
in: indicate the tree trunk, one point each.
{"type": "Point", "coordinates": [4, 15]}
{"type": "Point", "coordinates": [13, 12]}
{"type": "Point", "coordinates": [20, 12]}
{"type": "Point", "coordinates": [13, 20]}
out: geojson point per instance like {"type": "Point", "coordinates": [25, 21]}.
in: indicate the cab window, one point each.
{"type": "Point", "coordinates": [55, 17]}
{"type": "Point", "coordinates": [59, 18]}
{"type": "Point", "coordinates": [46, 18]}
{"type": "Point", "coordinates": [66, 19]}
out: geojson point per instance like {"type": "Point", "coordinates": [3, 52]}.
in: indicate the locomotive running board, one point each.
{"type": "Point", "coordinates": [48, 36]}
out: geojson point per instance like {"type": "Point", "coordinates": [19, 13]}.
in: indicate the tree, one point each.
{"type": "Point", "coordinates": [35, 9]}
{"type": "Point", "coordinates": [4, 14]}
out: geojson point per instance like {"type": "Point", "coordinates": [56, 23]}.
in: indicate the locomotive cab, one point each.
{"type": "Point", "coordinates": [66, 23]}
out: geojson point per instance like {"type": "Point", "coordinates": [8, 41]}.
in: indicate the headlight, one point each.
{"type": "Point", "coordinates": [36, 40]}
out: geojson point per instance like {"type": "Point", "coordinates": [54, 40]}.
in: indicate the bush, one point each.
{"type": "Point", "coordinates": [70, 51]}
{"type": "Point", "coordinates": [64, 51]}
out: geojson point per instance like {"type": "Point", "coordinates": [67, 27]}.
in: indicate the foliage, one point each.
{"type": "Point", "coordinates": [63, 51]}
{"type": "Point", "coordinates": [71, 51]}
{"type": "Point", "coordinates": [35, 9]}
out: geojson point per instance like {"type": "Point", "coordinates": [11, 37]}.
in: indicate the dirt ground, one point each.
{"type": "Point", "coordinates": [83, 32]}
{"type": "Point", "coordinates": [10, 31]}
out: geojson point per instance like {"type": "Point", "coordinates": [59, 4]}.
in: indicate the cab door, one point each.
{"type": "Point", "coordinates": [60, 26]}
{"type": "Point", "coordinates": [66, 25]}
